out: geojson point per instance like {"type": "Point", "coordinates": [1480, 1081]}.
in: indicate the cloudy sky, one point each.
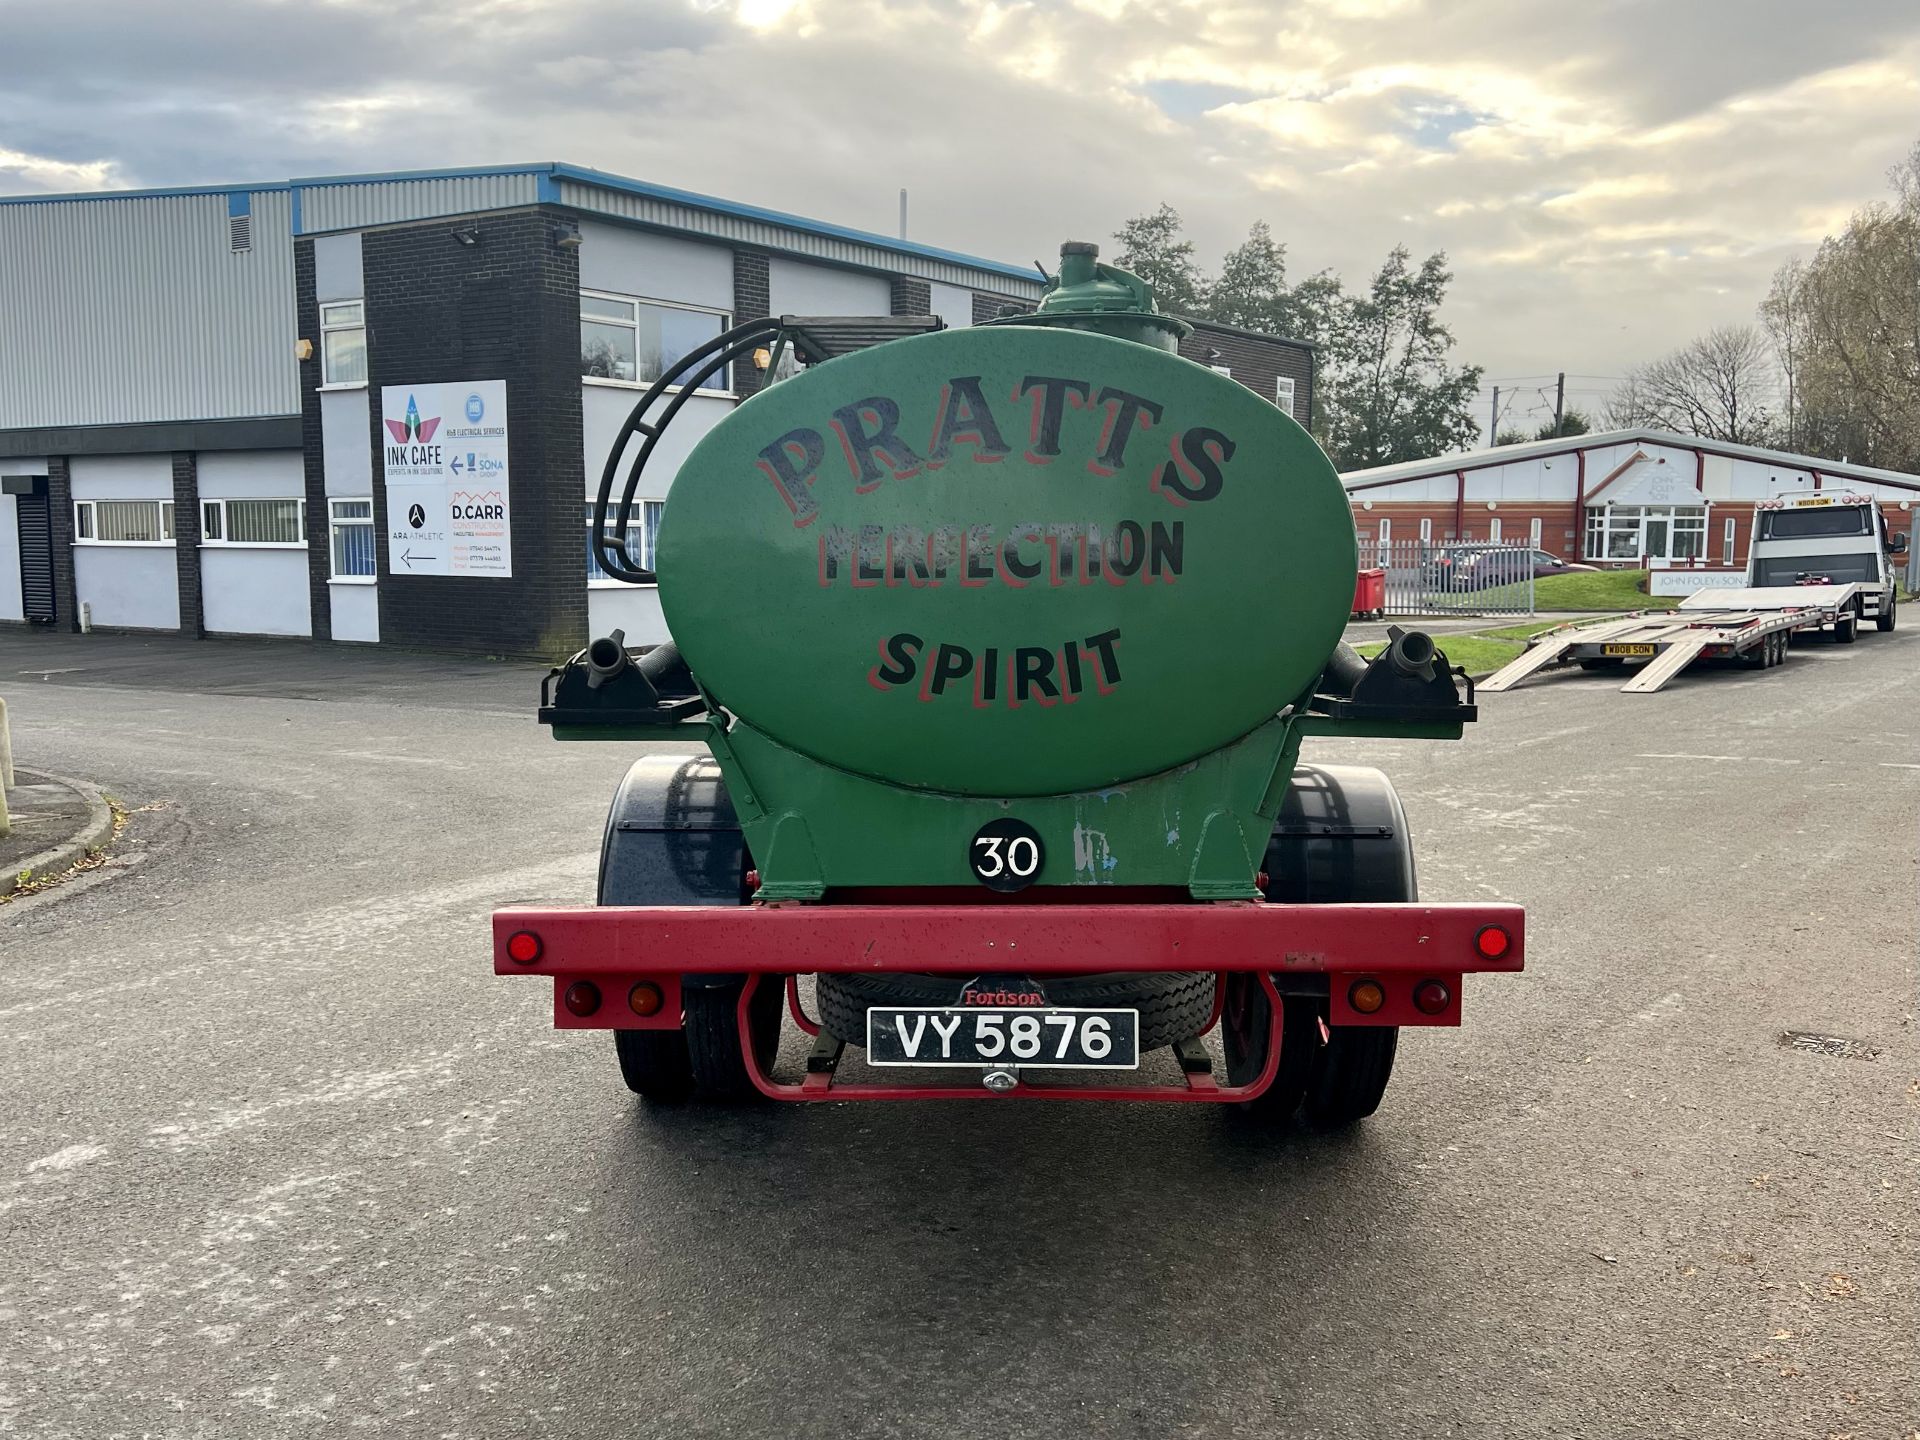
{"type": "Point", "coordinates": [1609, 177]}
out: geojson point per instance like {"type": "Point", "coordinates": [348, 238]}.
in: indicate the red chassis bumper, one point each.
{"type": "Point", "coordinates": [601, 953]}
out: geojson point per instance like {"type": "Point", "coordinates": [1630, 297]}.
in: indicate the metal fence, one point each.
{"type": "Point", "coordinates": [1468, 578]}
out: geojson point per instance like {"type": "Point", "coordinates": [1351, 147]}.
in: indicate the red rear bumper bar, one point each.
{"type": "Point", "coordinates": [804, 939]}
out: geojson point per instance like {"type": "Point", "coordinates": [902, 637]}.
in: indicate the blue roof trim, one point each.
{"type": "Point", "coordinates": [267, 188]}
{"type": "Point", "coordinates": [548, 192]}
{"type": "Point", "coordinates": [239, 202]}
{"type": "Point", "coordinates": [697, 201]}
{"type": "Point", "coordinates": [379, 176]}
{"type": "Point", "coordinates": [293, 211]}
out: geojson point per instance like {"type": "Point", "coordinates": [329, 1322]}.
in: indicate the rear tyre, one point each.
{"type": "Point", "coordinates": [1351, 1075]}
{"type": "Point", "coordinates": [1245, 1025]}
{"type": "Point", "coordinates": [713, 1036]}
{"type": "Point", "coordinates": [654, 1064]}
{"type": "Point", "coordinates": [1884, 621]}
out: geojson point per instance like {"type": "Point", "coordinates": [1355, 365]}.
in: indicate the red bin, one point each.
{"type": "Point", "coordinates": [1370, 595]}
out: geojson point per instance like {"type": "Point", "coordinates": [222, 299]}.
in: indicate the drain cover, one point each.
{"type": "Point", "coordinates": [1836, 1047]}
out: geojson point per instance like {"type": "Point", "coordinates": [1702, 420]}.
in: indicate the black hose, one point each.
{"type": "Point", "coordinates": [723, 349]}
{"type": "Point", "coordinates": [1343, 672]}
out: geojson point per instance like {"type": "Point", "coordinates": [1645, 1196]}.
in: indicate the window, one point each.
{"type": "Point", "coordinates": [254, 522]}
{"type": "Point", "coordinates": [1533, 532]}
{"type": "Point", "coordinates": [350, 526]}
{"type": "Point", "coordinates": [1385, 541]}
{"type": "Point", "coordinates": [343, 343]}
{"type": "Point", "coordinates": [1426, 532]}
{"type": "Point", "coordinates": [1493, 531]}
{"type": "Point", "coordinates": [1658, 532]}
{"type": "Point", "coordinates": [123, 522]}
{"type": "Point", "coordinates": [1815, 523]}
{"type": "Point", "coordinates": [1283, 394]}
{"type": "Point", "coordinates": [622, 338]}
{"type": "Point", "coordinates": [643, 531]}
{"type": "Point", "coordinates": [1226, 370]}
{"type": "Point", "coordinates": [1726, 542]}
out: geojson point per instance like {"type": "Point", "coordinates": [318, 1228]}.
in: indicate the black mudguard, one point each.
{"type": "Point", "coordinates": [672, 838]}
{"type": "Point", "coordinates": [1341, 836]}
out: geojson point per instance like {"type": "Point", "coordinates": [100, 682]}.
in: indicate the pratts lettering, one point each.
{"type": "Point", "coordinates": [977, 556]}
{"type": "Point", "coordinates": [869, 434]}
{"type": "Point", "coordinates": [1124, 413]}
{"type": "Point", "coordinates": [965, 415]}
{"type": "Point", "coordinates": [861, 445]}
{"type": "Point", "coordinates": [793, 475]}
{"type": "Point", "coordinates": [1194, 471]}
{"type": "Point", "coordinates": [1049, 405]}
{"type": "Point", "coordinates": [1016, 676]}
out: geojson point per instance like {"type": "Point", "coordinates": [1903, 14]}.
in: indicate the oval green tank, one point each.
{"type": "Point", "coordinates": [1006, 561]}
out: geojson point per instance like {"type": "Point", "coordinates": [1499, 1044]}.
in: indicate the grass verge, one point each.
{"type": "Point", "coordinates": [1598, 590]}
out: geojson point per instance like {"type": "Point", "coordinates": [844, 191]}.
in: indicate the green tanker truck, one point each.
{"type": "Point", "coordinates": [1002, 643]}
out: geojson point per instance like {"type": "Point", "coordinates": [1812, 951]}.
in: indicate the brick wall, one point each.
{"type": "Point", "coordinates": [752, 294]}
{"type": "Point", "coordinates": [506, 308]}
{"type": "Point", "coordinates": [1257, 361]}
{"type": "Point", "coordinates": [911, 296]}
{"type": "Point", "coordinates": [66, 603]}
{"type": "Point", "coordinates": [186, 541]}
{"type": "Point", "coordinates": [312, 449]}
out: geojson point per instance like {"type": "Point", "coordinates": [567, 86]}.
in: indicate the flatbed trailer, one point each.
{"type": "Point", "coordinates": [1754, 626]}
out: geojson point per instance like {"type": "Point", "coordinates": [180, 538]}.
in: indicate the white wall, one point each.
{"type": "Point", "coordinates": [13, 605]}
{"type": "Point", "coordinates": [254, 590]}
{"type": "Point", "coordinates": [346, 442]}
{"type": "Point", "coordinates": [247, 589]}
{"type": "Point", "coordinates": [658, 267]}
{"type": "Point", "coordinates": [336, 268]}
{"type": "Point", "coordinates": [122, 477]}
{"type": "Point", "coordinates": [355, 610]}
{"type": "Point", "coordinates": [953, 305]}
{"type": "Point", "coordinates": [251, 475]}
{"type": "Point", "coordinates": [604, 408]}
{"type": "Point", "coordinates": [633, 608]}
{"type": "Point", "coordinates": [797, 288]}
{"type": "Point", "coordinates": [135, 587]}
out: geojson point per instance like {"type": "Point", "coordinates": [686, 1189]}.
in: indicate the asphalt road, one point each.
{"type": "Point", "coordinates": [280, 1156]}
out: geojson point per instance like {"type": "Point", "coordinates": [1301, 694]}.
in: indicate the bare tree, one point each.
{"type": "Point", "coordinates": [1720, 386]}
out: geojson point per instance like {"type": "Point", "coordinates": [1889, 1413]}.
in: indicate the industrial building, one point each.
{"type": "Point", "coordinates": [372, 407]}
{"type": "Point", "coordinates": [1641, 499]}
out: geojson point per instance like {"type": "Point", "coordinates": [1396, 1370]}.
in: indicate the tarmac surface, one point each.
{"type": "Point", "coordinates": [281, 1157]}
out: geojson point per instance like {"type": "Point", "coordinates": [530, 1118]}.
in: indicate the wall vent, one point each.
{"type": "Point", "coordinates": [239, 233]}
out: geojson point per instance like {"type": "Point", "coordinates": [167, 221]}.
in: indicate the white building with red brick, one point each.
{"type": "Point", "coordinates": [1627, 498]}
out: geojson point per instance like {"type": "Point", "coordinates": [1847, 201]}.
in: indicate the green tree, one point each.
{"type": "Point", "coordinates": [1390, 388]}
{"type": "Point", "coordinates": [1572, 422]}
{"type": "Point", "coordinates": [1153, 247]}
{"type": "Point", "coordinates": [1252, 289]}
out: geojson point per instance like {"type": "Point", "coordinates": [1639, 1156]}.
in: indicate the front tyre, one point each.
{"type": "Point", "coordinates": [1884, 621]}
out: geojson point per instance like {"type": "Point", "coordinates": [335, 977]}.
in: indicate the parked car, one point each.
{"type": "Point", "coordinates": [1480, 567]}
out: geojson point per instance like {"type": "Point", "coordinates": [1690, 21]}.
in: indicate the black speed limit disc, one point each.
{"type": "Point", "coordinates": [1006, 855]}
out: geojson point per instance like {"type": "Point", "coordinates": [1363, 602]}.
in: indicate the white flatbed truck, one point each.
{"type": "Point", "coordinates": [1818, 561]}
{"type": "Point", "coordinates": [1754, 626]}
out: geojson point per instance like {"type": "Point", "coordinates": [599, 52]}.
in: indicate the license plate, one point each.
{"type": "Point", "coordinates": [1626, 649]}
{"type": "Point", "coordinates": [1034, 1038]}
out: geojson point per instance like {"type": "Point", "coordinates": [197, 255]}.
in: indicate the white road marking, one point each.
{"type": "Point", "coordinates": [1723, 759]}
{"type": "Point", "coordinates": [68, 1158]}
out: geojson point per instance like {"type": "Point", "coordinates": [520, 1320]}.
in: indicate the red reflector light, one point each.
{"type": "Point", "coordinates": [645, 998]}
{"type": "Point", "coordinates": [1366, 996]}
{"type": "Point", "coordinates": [1492, 941]}
{"type": "Point", "coordinates": [523, 947]}
{"type": "Point", "coordinates": [1430, 997]}
{"type": "Point", "coordinates": [582, 997]}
